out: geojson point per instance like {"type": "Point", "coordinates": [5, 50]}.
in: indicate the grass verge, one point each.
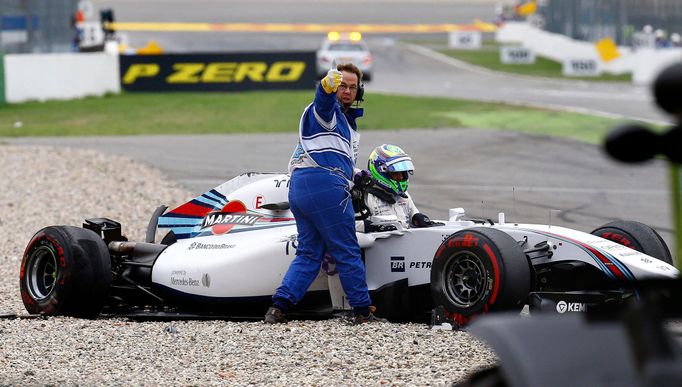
{"type": "Point", "coordinates": [257, 112]}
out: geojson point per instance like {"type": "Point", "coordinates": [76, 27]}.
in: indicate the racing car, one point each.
{"type": "Point", "coordinates": [225, 252]}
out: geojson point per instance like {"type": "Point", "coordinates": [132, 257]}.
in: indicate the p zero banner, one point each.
{"type": "Point", "coordinates": [218, 72]}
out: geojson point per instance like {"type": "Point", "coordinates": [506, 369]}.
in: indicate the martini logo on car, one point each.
{"type": "Point", "coordinates": [233, 214]}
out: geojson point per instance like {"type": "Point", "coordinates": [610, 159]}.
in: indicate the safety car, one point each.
{"type": "Point", "coordinates": [340, 48]}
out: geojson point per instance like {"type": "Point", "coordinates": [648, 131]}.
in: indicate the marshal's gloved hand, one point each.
{"type": "Point", "coordinates": [362, 179]}
{"type": "Point", "coordinates": [420, 220]}
{"type": "Point", "coordinates": [332, 81]}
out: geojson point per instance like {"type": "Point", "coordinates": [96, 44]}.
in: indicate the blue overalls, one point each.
{"type": "Point", "coordinates": [321, 173]}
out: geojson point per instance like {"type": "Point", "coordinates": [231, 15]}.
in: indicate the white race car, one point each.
{"type": "Point", "coordinates": [228, 249]}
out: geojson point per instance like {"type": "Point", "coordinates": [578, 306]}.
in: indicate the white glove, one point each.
{"type": "Point", "coordinates": [332, 81]}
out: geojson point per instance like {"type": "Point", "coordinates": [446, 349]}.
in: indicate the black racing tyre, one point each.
{"type": "Point", "coordinates": [488, 377]}
{"type": "Point", "coordinates": [65, 271]}
{"type": "Point", "coordinates": [637, 236]}
{"type": "Point", "coordinates": [479, 270]}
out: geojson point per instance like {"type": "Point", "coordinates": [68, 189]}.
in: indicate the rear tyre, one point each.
{"type": "Point", "coordinates": [479, 270]}
{"type": "Point", "coordinates": [637, 236]}
{"type": "Point", "coordinates": [65, 271]}
{"type": "Point", "coordinates": [489, 377]}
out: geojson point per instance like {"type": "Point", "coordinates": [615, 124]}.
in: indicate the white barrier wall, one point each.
{"type": "Point", "coordinates": [649, 62]}
{"type": "Point", "coordinates": [560, 47]}
{"type": "Point", "coordinates": [644, 64]}
{"type": "Point", "coordinates": [60, 76]}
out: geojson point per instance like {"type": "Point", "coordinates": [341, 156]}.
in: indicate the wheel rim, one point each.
{"type": "Point", "coordinates": [42, 272]}
{"type": "Point", "coordinates": [465, 279]}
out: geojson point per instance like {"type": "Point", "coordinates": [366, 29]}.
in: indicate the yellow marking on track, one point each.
{"type": "Point", "coordinates": [298, 28]}
{"type": "Point", "coordinates": [485, 27]}
{"type": "Point", "coordinates": [189, 27]}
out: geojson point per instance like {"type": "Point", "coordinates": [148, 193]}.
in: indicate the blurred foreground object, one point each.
{"type": "Point", "coordinates": [634, 143]}
{"type": "Point", "coordinates": [631, 349]}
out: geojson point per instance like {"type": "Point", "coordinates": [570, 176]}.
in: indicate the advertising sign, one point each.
{"type": "Point", "coordinates": [581, 68]}
{"type": "Point", "coordinates": [218, 72]}
{"type": "Point", "coordinates": [516, 55]}
{"type": "Point", "coordinates": [465, 40]}
{"type": "Point", "coordinates": [643, 40]}
{"type": "Point", "coordinates": [91, 35]}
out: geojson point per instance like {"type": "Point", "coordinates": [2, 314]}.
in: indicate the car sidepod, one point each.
{"type": "Point", "coordinates": [235, 267]}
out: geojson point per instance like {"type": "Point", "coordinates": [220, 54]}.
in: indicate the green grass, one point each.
{"type": "Point", "coordinates": [489, 57]}
{"type": "Point", "coordinates": [571, 125]}
{"type": "Point", "coordinates": [251, 112]}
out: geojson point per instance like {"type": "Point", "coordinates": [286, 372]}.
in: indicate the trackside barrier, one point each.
{"type": "Point", "coordinates": [650, 62]}
{"type": "Point", "coordinates": [60, 76]}
{"type": "Point", "coordinates": [644, 64]}
{"type": "Point", "coordinates": [559, 47]}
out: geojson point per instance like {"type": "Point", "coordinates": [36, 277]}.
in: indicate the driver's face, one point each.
{"type": "Point", "coordinates": [397, 176]}
{"type": "Point", "coordinates": [348, 89]}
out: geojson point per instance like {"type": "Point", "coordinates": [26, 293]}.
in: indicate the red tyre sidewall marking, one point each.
{"type": "Point", "coordinates": [496, 272]}
{"type": "Point", "coordinates": [25, 296]}
{"type": "Point", "coordinates": [52, 242]}
{"type": "Point", "coordinates": [27, 252]}
{"type": "Point", "coordinates": [470, 241]}
{"type": "Point", "coordinates": [618, 238]}
{"type": "Point", "coordinates": [61, 258]}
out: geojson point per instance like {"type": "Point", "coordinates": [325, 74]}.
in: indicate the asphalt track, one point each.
{"type": "Point", "coordinates": [532, 178]}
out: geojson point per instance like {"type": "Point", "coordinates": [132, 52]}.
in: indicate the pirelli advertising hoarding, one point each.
{"type": "Point", "coordinates": [218, 72]}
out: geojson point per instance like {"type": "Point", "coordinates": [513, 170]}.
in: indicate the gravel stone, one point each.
{"type": "Point", "coordinates": [42, 186]}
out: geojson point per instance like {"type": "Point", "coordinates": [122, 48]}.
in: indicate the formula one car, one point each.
{"type": "Point", "coordinates": [227, 250]}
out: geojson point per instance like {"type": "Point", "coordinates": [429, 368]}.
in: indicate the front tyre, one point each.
{"type": "Point", "coordinates": [637, 236]}
{"type": "Point", "coordinates": [66, 271]}
{"type": "Point", "coordinates": [479, 270]}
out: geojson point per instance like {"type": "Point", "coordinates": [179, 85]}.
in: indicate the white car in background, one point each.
{"type": "Point", "coordinates": [344, 48]}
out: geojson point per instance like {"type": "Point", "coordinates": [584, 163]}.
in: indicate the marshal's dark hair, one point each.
{"type": "Point", "coordinates": [350, 68]}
